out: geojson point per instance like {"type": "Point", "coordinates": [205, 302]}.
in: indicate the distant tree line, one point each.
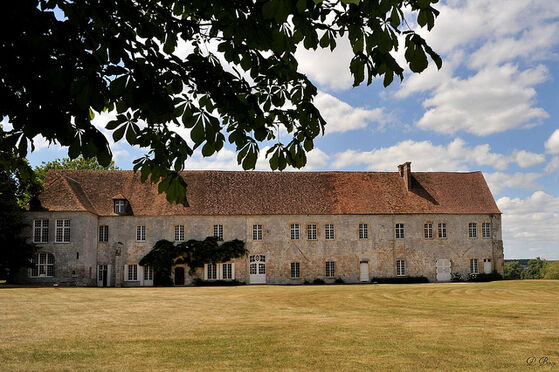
{"type": "Point", "coordinates": [536, 269]}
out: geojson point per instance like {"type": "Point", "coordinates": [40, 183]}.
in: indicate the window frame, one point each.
{"type": "Point", "coordinates": [179, 233]}
{"type": "Point", "coordinates": [428, 230]}
{"type": "Point", "coordinates": [312, 230]}
{"type": "Point", "coordinates": [295, 270]}
{"type": "Point", "coordinates": [399, 230]}
{"type": "Point", "coordinates": [329, 231]}
{"type": "Point", "coordinates": [401, 267]}
{"type": "Point", "coordinates": [141, 233]}
{"type": "Point", "coordinates": [472, 233]}
{"type": "Point", "coordinates": [294, 231]}
{"type": "Point", "coordinates": [103, 233]}
{"type": "Point", "coordinates": [441, 229]}
{"type": "Point", "coordinates": [132, 269]}
{"type": "Point", "coordinates": [474, 266]}
{"type": "Point", "coordinates": [363, 231]}
{"type": "Point", "coordinates": [486, 228]}
{"type": "Point", "coordinates": [119, 206]}
{"type": "Point", "coordinates": [42, 267]}
{"type": "Point", "coordinates": [43, 230]}
{"type": "Point", "coordinates": [64, 230]}
{"type": "Point", "coordinates": [330, 269]}
{"type": "Point", "coordinates": [218, 232]}
{"type": "Point", "coordinates": [257, 232]}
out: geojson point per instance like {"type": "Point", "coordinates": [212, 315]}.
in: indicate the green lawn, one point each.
{"type": "Point", "coordinates": [455, 326]}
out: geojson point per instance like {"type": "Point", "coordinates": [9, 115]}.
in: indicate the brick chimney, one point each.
{"type": "Point", "coordinates": [405, 173]}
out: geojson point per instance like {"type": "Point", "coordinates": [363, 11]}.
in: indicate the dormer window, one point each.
{"type": "Point", "coordinates": [120, 206]}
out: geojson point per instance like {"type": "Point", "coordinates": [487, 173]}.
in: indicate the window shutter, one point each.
{"type": "Point", "coordinates": [219, 268]}
{"type": "Point", "coordinates": [109, 275]}
{"type": "Point", "coordinates": [205, 271]}
{"type": "Point", "coordinates": [125, 273]}
{"type": "Point", "coordinates": [233, 271]}
{"type": "Point", "coordinates": [99, 280]}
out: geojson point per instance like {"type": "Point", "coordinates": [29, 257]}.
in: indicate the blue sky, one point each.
{"type": "Point", "coordinates": [492, 107]}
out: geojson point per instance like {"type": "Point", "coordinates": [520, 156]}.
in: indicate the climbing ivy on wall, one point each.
{"type": "Point", "coordinates": [195, 253]}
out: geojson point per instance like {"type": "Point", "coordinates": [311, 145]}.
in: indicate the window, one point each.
{"type": "Point", "coordinates": [399, 231]}
{"type": "Point", "coordinates": [132, 273]}
{"type": "Point", "coordinates": [62, 231]}
{"type": "Point", "coordinates": [311, 232]}
{"type": "Point", "coordinates": [474, 268]}
{"type": "Point", "coordinates": [256, 232]}
{"type": "Point", "coordinates": [428, 230]}
{"type": "Point", "coordinates": [103, 233]}
{"type": "Point", "coordinates": [148, 273]}
{"type": "Point", "coordinates": [363, 231]}
{"type": "Point", "coordinates": [330, 268]}
{"type": "Point", "coordinates": [77, 255]}
{"type": "Point", "coordinates": [294, 231]}
{"type": "Point", "coordinates": [442, 230]}
{"type": "Point", "coordinates": [227, 271]}
{"type": "Point", "coordinates": [120, 206]}
{"type": "Point", "coordinates": [140, 233]}
{"type": "Point", "coordinates": [472, 230]}
{"type": "Point", "coordinates": [179, 233]}
{"type": "Point", "coordinates": [43, 265]}
{"type": "Point", "coordinates": [40, 231]}
{"type": "Point", "coordinates": [295, 270]}
{"type": "Point", "coordinates": [218, 232]}
{"type": "Point", "coordinates": [212, 271]}
{"type": "Point", "coordinates": [329, 231]}
{"type": "Point", "coordinates": [486, 230]}
{"type": "Point", "coordinates": [400, 268]}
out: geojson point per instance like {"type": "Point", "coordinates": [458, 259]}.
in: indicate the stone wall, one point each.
{"type": "Point", "coordinates": [380, 250]}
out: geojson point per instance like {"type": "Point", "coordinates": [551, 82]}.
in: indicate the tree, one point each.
{"type": "Point", "coordinates": [513, 270]}
{"type": "Point", "coordinates": [551, 270]}
{"type": "Point", "coordinates": [223, 69]}
{"type": "Point", "coordinates": [534, 269]}
{"type": "Point", "coordinates": [67, 163]}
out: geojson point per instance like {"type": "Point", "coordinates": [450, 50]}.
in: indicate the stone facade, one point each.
{"type": "Point", "coordinates": [379, 251]}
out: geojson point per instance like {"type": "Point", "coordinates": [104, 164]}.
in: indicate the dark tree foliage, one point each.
{"type": "Point", "coordinates": [534, 269]}
{"type": "Point", "coordinates": [67, 163]}
{"type": "Point", "coordinates": [225, 69]}
{"type": "Point", "coordinates": [15, 252]}
{"type": "Point", "coordinates": [513, 270]}
{"type": "Point", "coordinates": [195, 253]}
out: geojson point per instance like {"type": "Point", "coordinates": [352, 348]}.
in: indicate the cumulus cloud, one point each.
{"type": "Point", "coordinates": [553, 165]}
{"type": "Point", "coordinates": [552, 144]}
{"type": "Point", "coordinates": [494, 100]}
{"type": "Point", "coordinates": [526, 159]}
{"type": "Point", "coordinates": [528, 225]}
{"type": "Point", "coordinates": [456, 156]}
{"type": "Point", "coordinates": [226, 159]}
{"type": "Point", "coordinates": [498, 181]}
{"type": "Point", "coordinates": [342, 117]}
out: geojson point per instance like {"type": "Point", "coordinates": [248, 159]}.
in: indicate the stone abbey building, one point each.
{"type": "Point", "coordinates": [93, 227]}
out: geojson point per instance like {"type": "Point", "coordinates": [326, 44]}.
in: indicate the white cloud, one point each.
{"type": "Point", "coordinates": [341, 117]}
{"type": "Point", "coordinates": [328, 68]}
{"type": "Point", "coordinates": [494, 100]}
{"type": "Point", "coordinates": [526, 159]}
{"type": "Point", "coordinates": [456, 156]}
{"type": "Point", "coordinates": [226, 159]}
{"type": "Point", "coordinates": [553, 165]}
{"type": "Point", "coordinates": [498, 181]}
{"type": "Point", "coordinates": [552, 144]}
{"type": "Point", "coordinates": [528, 225]}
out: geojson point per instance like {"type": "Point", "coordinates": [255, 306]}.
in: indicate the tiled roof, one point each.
{"type": "Point", "coordinates": [228, 193]}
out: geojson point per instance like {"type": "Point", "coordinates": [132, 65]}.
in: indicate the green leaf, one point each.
{"type": "Point", "coordinates": [357, 70]}
{"type": "Point", "coordinates": [424, 3]}
{"type": "Point", "coordinates": [131, 135]}
{"type": "Point", "coordinates": [197, 133]}
{"type": "Point", "coordinates": [388, 77]}
{"type": "Point", "coordinates": [395, 18]}
{"type": "Point", "coordinates": [301, 5]}
{"type": "Point", "coordinates": [422, 18]}
{"type": "Point", "coordinates": [91, 114]}
{"type": "Point", "coordinates": [356, 2]}
{"type": "Point", "coordinates": [117, 134]}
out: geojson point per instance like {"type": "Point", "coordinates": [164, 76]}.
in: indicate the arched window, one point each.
{"type": "Point", "coordinates": [43, 265]}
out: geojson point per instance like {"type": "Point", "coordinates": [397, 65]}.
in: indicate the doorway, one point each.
{"type": "Point", "coordinates": [179, 275]}
{"type": "Point", "coordinates": [257, 266]}
{"type": "Point", "coordinates": [487, 265]}
{"type": "Point", "coordinates": [364, 271]}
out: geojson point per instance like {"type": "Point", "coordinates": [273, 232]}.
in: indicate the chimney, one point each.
{"type": "Point", "coordinates": [405, 172]}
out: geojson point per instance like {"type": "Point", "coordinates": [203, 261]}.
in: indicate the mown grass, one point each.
{"type": "Point", "coordinates": [455, 326]}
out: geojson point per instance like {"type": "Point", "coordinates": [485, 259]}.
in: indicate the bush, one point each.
{"type": "Point", "coordinates": [457, 277]}
{"type": "Point", "coordinates": [513, 270]}
{"type": "Point", "coordinates": [401, 280]}
{"type": "Point", "coordinates": [482, 277]}
{"type": "Point", "coordinates": [318, 281]}
{"type": "Point", "coordinates": [339, 281]}
{"type": "Point", "coordinates": [216, 283]}
{"type": "Point", "coordinates": [551, 270]}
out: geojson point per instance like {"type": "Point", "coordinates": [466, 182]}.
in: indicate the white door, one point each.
{"type": "Point", "coordinates": [364, 271]}
{"type": "Point", "coordinates": [443, 270]}
{"type": "Point", "coordinates": [487, 265]}
{"type": "Point", "coordinates": [257, 267]}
